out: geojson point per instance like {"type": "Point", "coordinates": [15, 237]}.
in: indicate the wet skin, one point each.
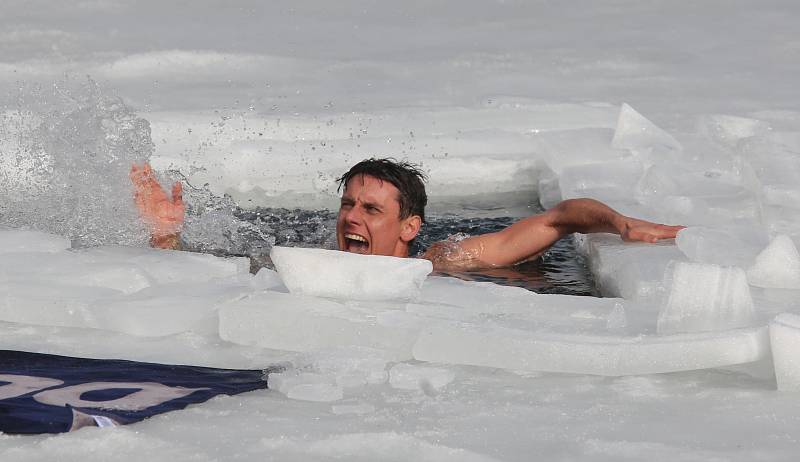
{"type": "Point", "coordinates": [369, 219]}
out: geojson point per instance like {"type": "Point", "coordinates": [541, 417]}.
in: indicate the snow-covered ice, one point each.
{"type": "Point", "coordinates": [688, 115]}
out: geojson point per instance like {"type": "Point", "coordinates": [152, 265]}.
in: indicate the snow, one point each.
{"type": "Point", "coordinates": [683, 115]}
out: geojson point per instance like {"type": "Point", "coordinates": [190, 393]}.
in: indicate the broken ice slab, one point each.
{"type": "Point", "coordinates": [726, 246]}
{"type": "Point", "coordinates": [305, 386]}
{"type": "Point", "coordinates": [155, 311]}
{"type": "Point", "coordinates": [348, 276]}
{"type": "Point", "coordinates": [729, 130]}
{"type": "Point", "coordinates": [126, 269]}
{"type": "Point", "coordinates": [70, 268]}
{"type": "Point", "coordinates": [606, 182]}
{"type": "Point", "coordinates": [563, 149]}
{"type": "Point", "coordinates": [15, 240]}
{"type": "Point", "coordinates": [301, 323]}
{"type": "Point", "coordinates": [777, 266]}
{"type": "Point", "coordinates": [784, 333]}
{"type": "Point", "coordinates": [741, 208]}
{"type": "Point", "coordinates": [633, 271]}
{"type": "Point", "coordinates": [454, 299]}
{"type": "Point", "coordinates": [517, 349]}
{"type": "Point", "coordinates": [52, 304]}
{"type": "Point", "coordinates": [640, 135]}
{"type": "Point", "coordinates": [168, 266]}
{"type": "Point", "coordinates": [167, 309]}
{"type": "Point", "coordinates": [704, 297]}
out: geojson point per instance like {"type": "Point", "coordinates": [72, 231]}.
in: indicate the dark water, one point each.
{"type": "Point", "coordinates": [561, 270]}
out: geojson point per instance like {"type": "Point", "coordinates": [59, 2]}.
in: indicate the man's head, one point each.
{"type": "Point", "coordinates": [382, 207]}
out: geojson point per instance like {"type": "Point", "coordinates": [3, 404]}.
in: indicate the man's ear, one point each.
{"type": "Point", "coordinates": [410, 228]}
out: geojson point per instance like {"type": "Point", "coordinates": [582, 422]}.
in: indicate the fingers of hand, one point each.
{"type": "Point", "coordinates": [177, 194]}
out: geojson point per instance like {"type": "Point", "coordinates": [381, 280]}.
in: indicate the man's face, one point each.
{"type": "Point", "coordinates": [369, 219]}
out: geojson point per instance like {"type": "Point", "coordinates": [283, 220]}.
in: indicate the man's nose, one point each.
{"type": "Point", "coordinates": [353, 215]}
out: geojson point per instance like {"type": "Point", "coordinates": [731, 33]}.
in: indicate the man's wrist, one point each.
{"type": "Point", "coordinates": [166, 241]}
{"type": "Point", "coordinates": [620, 223]}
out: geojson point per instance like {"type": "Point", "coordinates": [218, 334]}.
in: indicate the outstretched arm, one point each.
{"type": "Point", "coordinates": [532, 236]}
{"type": "Point", "coordinates": [163, 214]}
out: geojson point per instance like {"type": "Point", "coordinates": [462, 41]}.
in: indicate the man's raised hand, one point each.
{"type": "Point", "coordinates": [645, 231]}
{"type": "Point", "coordinates": [163, 214]}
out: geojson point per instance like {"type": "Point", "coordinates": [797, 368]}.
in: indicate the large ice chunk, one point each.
{"type": "Point", "coordinates": [70, 268]}
{"type": "Point", "coordinates": [15, 240]}
{"type": "Point", "coordinates": [704, 297]}
{"type": "Point", "coordinates": [777, 266]}
{"type": "Point", "coordinates": [518, 349]}
{"type": "Point", "coordinates": [168, 309]}
{"type": "Point", "coordinates": [739, 208]}
{"type": "Point", "coordinates": [721, 246]}
{"type": "Point", "coordinates": [50, 304]}
{"type": "Point", "coordinates": [607, 182]}
{"type": "Point", "coordinates": [306, 386]}
{"type": "Point", "coordinates": [168, 266]}
{"type": "Point", "coordinates": [301, 323]}
{"type": "Point", "coordinates": [637, 133]}
{"type": "Point", "coordinates": [784, 334]}
{"type": "Point", "coordinates": [344, 275]}
{"type": "Point", "coordinates": [568, 148]}
{"type": "Point", "coordinates": [630, 271]}
{"type": "Point", "coordinates": [728, 129]}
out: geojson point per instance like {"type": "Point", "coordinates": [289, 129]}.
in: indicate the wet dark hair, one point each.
{"type": "Point", "coordinates": [405, 176]}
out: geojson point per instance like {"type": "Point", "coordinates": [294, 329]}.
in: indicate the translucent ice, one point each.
{"type": "Point", "coordinates": [301, 323]}
{"type": "Point", "coordinates": [568, 148]}
{"type": "Point", "coordinates": [52, 304]}
{"type": "Point", "coordinates": [305, 386]}
{"type": "Point", "coordinates": [167, 309]}
{"type": "Point", "coordinates": [607, 182]}
{"type": "Point", "coordinates": [784, 333]}
{"type": "Point", "coordinates": [726, 246]}
{"type": "Point", "coordinates": [344, 275]}
{"type": "Point", "coordinates": [777, 266]}
{"type": "Point", "coordinates": [727, 129]}
{"type": "Point", "coordinates": [630, 271]}
{"type": "Point", "coordinates": [351, 366]}
{"type": "Point", "coordinates": [168, 266]}
{"type": "Point", "coordinates": [738, 208]}
{"type": "Point", "coordinates": [640, 135]}
{"type": "Point", "coordinates": [704, 297]}
{"type": "Point", "coordinates": [523, 350]}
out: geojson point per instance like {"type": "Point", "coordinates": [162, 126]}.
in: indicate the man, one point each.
{"type": "Point", "coordinates": [382, 210]}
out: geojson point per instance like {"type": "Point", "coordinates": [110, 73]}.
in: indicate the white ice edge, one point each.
{"type": "Point", "coordinates": [598, 355]}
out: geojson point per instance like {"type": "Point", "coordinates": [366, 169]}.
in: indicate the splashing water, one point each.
{"type": "Point", "coordinates": [65, 154]}
{"type": "Point", "coordinates": [64, 159]}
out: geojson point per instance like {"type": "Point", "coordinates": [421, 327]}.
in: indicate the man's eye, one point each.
{"type": "Point", "coordinates": [372, 210]}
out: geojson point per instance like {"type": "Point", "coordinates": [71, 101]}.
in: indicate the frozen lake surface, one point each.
{"type": "Point", "coordinates": [684, 114]}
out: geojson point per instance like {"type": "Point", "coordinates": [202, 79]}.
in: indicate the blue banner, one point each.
{"type": "Point", "coordinates": [42, 393]}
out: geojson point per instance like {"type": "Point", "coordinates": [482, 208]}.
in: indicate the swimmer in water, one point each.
{"type": "Point", "coordinates": [382, 210]}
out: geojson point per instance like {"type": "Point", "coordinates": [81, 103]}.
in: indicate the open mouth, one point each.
{"type": "Point", "coordinates": [356, 243]}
